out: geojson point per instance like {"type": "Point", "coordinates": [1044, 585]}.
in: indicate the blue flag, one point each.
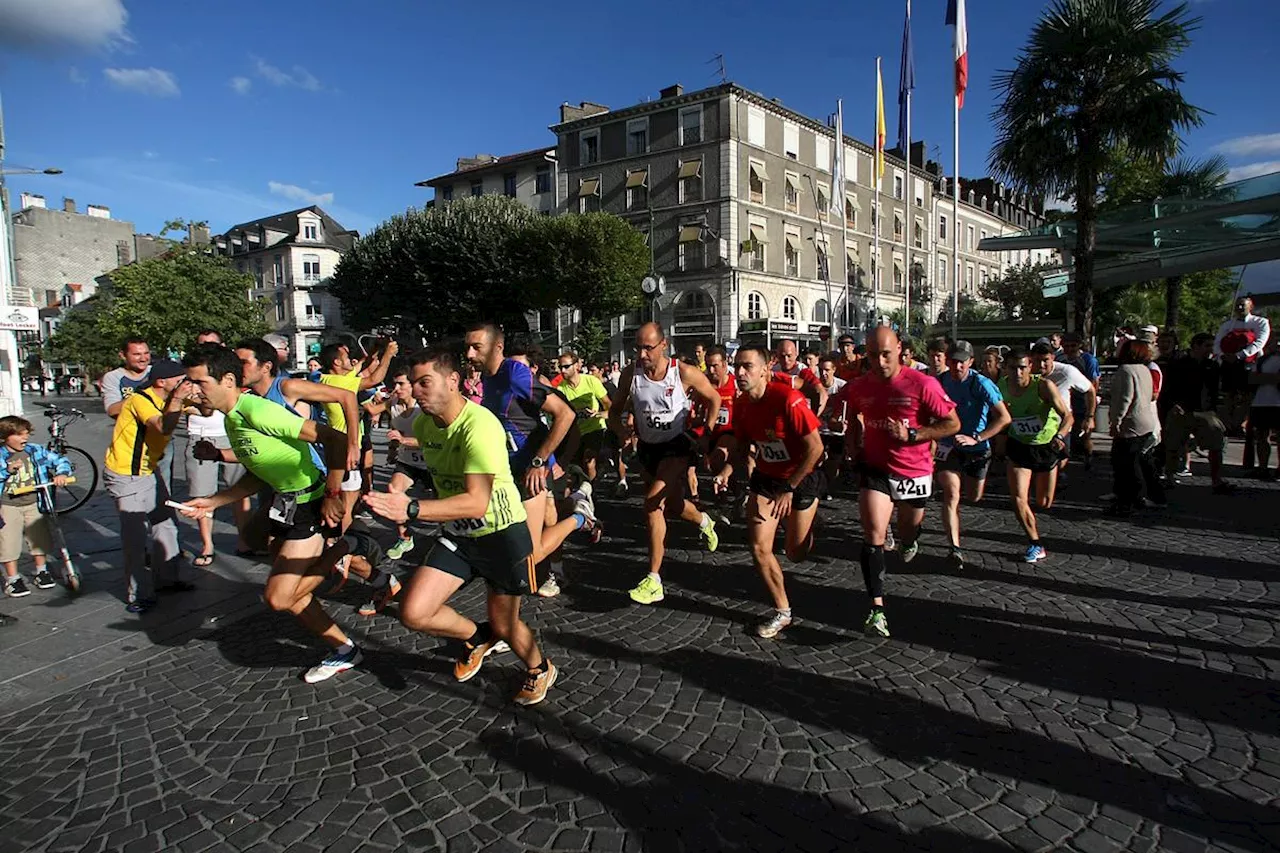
{"type": "Point", "coordinates": [906, 83]}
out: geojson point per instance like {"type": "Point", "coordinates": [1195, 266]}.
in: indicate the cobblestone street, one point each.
{"type": "Point", "coordinates": [1121, 695]}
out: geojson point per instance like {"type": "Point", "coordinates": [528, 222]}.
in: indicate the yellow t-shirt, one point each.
{"type": "Point", "coordinates": [333, 411]}
{"type": "Point", "coordinates": [586, 397]}
{"type": "Point", "coordinates": [135, 450]}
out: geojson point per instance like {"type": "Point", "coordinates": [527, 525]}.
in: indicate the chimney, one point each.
{"type": "Point", "coordinates": [98, 211]}
{"type": "Point", "coordinates": [31, 200]}
{"type": "Point", "coordinates": [199, 235]}
{"type": "Point", "coordinates": [671, 92]}
{"type": "Point", "coordinates": [68, 205]}
{"type": "Point", "coordinates": [568, 112]}
{"type": "Point", "coordinates": [474, 162]}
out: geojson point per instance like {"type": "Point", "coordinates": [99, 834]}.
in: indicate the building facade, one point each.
{"type": "Point", "coordinates": [530, 177]}
{"type": "Point", "coordinates": [54, 248]}
{"type": "Point", "coordinates": [291, 257]}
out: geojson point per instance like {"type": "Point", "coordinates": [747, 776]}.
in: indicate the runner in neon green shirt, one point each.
{"type": "Point", "coordinates": [590, 402]}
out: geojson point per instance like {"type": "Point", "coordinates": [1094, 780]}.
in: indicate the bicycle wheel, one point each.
{"type": "Point", "coordinates": [71, 497]}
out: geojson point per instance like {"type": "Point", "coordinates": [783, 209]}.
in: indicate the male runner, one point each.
{"type": "Point", "coordinates": [962, 460]}
{"type": "Point", "coordinates": [849, 367]}
{"type": "Point", "coordinates": [903, 410]}
{"type": "Point", "coordinates": [658, 389]}
{"type": "Point", "coordinates": [786, 484]}
{"type": "Point", "coordinates": [275, 446]}
{"type": "Point", "coordinates": [339, 371]}
{"type": "Point", "coordinates": [788, 369]}
{"type": "Point", "coordinates": [590, 403]}
{"type": "Point", "coordinates": [1041, 420]}
{"type": "Point", "coordinates": [1082, 415]}
{"type": "Point", "coordinates": [464, 447]}
{"type": "Point", "coordinates": [1071, 383]}
{"type": "Point", "coordinates": [937, 361]}
{"type": "Point", "coordinates": [832, 418]}
{"type": "Point", "coordinates": [410, 466]}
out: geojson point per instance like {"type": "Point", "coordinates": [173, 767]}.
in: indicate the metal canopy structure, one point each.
{"type": "Point", "coordinates": [1237, 224]}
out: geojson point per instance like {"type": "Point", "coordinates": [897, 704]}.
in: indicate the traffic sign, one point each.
{"type": "Point", "coordinates": [1054, 282]}
{"type": "Point", "coordinates": [1057, 289]}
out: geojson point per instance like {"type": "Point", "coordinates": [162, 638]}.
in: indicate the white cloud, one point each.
{"type": "Point", "coordinates": [146, 81]}
{"type": "Point", "coordinates": [294, 192]}
{"type": "Point", "coordinates": [299, 77]}
{"type": "Point", "coordinates": [1250, 146]}
{"type": "Point", "coordinates": [45, 25]}
{"type": "Point", "coordinates": [150, 155]}
{"type": "Point", "coordinates": [75, 75]}
{"type": "Point", "coordinates": [1252, 170]}
{"type": "Point", "coordinates": [241, 85]}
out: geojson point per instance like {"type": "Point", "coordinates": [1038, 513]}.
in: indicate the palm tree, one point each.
{"type": "Point", "coordinates": [1198, 179]}
{"type": "Point", "coordinates": [1093, 75]}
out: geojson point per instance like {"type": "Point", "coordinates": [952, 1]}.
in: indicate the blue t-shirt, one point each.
{"type": "Point", "coordinates": [276, 395]}
{"type": "Point", "coordinates": [1086, 363]}
{"type": "Point", "coordinates": [974, 398]}
{"type": "Point", "coordinates": [516, 398]}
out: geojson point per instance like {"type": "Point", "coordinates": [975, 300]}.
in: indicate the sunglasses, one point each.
{"type": "Point", "coordinates": [565, 366]}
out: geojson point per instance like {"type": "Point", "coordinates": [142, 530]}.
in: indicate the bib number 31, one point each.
{"type": "Point", "coordinates": [910, 488]}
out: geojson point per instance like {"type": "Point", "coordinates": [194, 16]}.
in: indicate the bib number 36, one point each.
{"type": "Point", "coordinates": [657, 422]}
{"type": "Point", "coordinates": [910, 488]}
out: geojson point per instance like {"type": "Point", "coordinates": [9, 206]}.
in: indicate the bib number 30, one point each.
{"type": "Point", "coordinates": [910, 488]}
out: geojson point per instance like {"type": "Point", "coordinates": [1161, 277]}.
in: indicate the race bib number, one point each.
{"type": "Point", "coordinates": [943, 451]}
{"type": "Point", "coordinates": [722, 417]}
{"type": "Point", "coordinates": [910, 488]}
{"type": "Point", "coordinates": [659, 420]}
{"type": "Point", "coordinates": [1028, 427]}
{"type": "Point", "coordinates": [283, 509]}
{"type": "Point", "coordinates": [774, 451]}
{"type": "Point", "coordinates": [466, 526]}
{"type": "Point", "coordinates": [413, 457]}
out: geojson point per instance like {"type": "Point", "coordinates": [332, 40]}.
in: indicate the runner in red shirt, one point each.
{"type": "Point", "coordinates": [849, 367]}
{"type": "Point", "coordinates": [787, 368]}
{"type": "Point", "coordinates": [720, 440]}
{"type": "Point", "coordinates": [786, 483]}
{"type": "Point", "coordinates": [902, 410]}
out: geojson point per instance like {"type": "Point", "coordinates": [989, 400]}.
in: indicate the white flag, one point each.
{"type": "Point", "coordinates": [837, 167]}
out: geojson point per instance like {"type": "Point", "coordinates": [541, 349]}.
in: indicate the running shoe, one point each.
{"type": "Point", "coordinates": [877, 624]}
{"type": "Point", "coordinates": [381, 598]}
{"type": "Point", "coordinates": [583, 504]}
{"type": "Point", "coordinates": [402, 547]}
{"type": "Point", "coordinates": [466, 666]}
{"type": "Point", "coordinates": [536, 685]}
{"type": "Point", "coordinates": [649, 591]}
{"type": "Point", "coordinates": [16, 588]}
{"type": "Point", "coordinates": [620, 491]}
{"type": "Point", "coordinates": [710, 536]}
{"type": "Point", "coordinates": [1185, 472]}
{"type": "Point", "coordinates": [332, 665]}
{"type": "Point", "coordinates": [909, 550]}
{"type": "Point", "coordinates": [142, 605]}
{"type": "Point", "coordinates": [890, 544]}
{"type": "Point", "coordinates": [549, 589]}
{"type": "Point", "coordinates": [597, 533]}
{"type": "Point", "coordinates": [772, 627]}
{"type": "Point", "coordinates": [44, 580]}
{"type": "Point", "coordinates": [1035, 553]}
{"type": "Point", "coordinates": [956, 559]}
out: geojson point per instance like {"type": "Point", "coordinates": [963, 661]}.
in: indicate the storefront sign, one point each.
{"type": "Point", "coordinates": [15, 318]}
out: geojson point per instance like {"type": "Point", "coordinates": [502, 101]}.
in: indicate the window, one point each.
{"type": "Point", "coordinates": [755, 126]}
{"type": "Point", "coordinates": [311, 268]}
{"type": "Point", "coordinates": [509, 184]}
{"type": "Point", "coordinates": [982, 277]}
{"type": "Point", "coordinates": [820, 258]}
{"type": "Point", "coordinates": [850, 164]}
{"type": "Point", "coordinates": [589, 147]}
{"type": "Point", "coordinates": [691, 250]}
{"type": "Point", "coordinates": [589, 195]}
{"type": "Point", "coordinates": [755, 179]}
{"type": "Point", "coordinates": [919, 188]}
{"type": "Point", "coordinates": [968, 278]}
{"type": "Point", "coordinates": [917, 237]}
{"type": "Point", "coordinates": [638, 189]}
{"type": "Point", "coordinates": [691, 125]}
{"type": "Point", "coordinates": [822, 153]}
{"type": "Point", "coordinates": [823, 200]}
{"type": "Point", "coordinates": [851, 209]}
{"type": "Point", "coordinates": [791, 254]}
{"type": "Point", "coordinates": [898, 186]}
{"type": "Point", "coordinates": [313, 310]}
{"type": "Point", "coordinates": [542, 180]}
{"type": "Point", "coordinates": [690, 176]}
{"type": "Point", "coordinates": [790, 308]}
{"type": "Point", "coordinates": [983, 235]}
{"type": "Point", "coordinates": [875, 216]}
{"type": "Point", "coordinates": [969, 244]}
{"type": "Point", "coordinates": [942, 273]}
{"type": "Point", "coordinates": [855, 268]}
{"type": "Point", "coordinates": [791, 140]}
{"type": "Point", "coordinates": [477, 189]}
{"type": "Point", "coordinates": [755, 306]}
{"type": "Point", "coordinates": [897, 227]}
{"type": "Point", "coordinates": [897, 278]}
{"type": "Point", "coordinates": [311, 231]}
{"type": "Point", "coordinates": [257, 271]}
{"type": "Point", "coordinates": [821, 312]}
{"type": "Point", "coordinates": [277, 269]}
{"type": "Point", "coordinates": [791, 193]}
{"type": "Point", "coordinates": [123, 255]}
{"type": "Point", "coordinates": [637, 137]}
{"type": "Point", "coordinates": [942, 229]}
{"type": "Point", "coordinates": [757, 240]}
{"type": "Point", "coordinates": [279, 307]}
{"type": "Point", "coordinates": [446, 193]}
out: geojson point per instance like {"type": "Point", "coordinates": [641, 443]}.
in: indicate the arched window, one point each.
{"type": "Point", "coordinates": [756, 308]}
{"type": "Point", "coordinates": [821, 313]}
{"type": "Point", "coordinates": [790, 308]}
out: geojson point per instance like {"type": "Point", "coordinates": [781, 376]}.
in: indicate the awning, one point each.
{"type": "Point", "coordinates": [852, 200]}
{"type": "Point", "coordinates": [757, 233]}
{"type": "Point", "coordinates": [758, 168]}
{"type": "Point", "coordinates": [690, 169]}
{"type": "Point", "coordinates": [793, 181]}
{"type": "Point", "coordinates": [793, 240]}
{"type": "Point", "coordinates": [690, 233]}
{"type": "Point", "coordinates": [638, 178]}
{"type": "Point", "coordinates": [591, 186]}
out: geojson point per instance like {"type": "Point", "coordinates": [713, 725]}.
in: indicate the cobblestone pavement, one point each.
{"type": "Point", "coordinates": [1121, 695]}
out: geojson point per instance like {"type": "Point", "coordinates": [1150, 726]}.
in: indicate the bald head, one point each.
{"type": "Point", "coordinates": [883, 351]}
{"type": "Point", "coordinates": [651, 346]}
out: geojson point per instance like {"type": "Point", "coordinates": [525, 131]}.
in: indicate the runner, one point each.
{"type": "Point", "coordinates": [590, 403]}
{"type": "Point", "coordinates": [1071, 384]}
{"type": "Point", "coordinates": [962, 461]}
{"type": "Point", "coordinates": [788, 369]}
{"type": "Point", "coordinates": [786, 484]}
{"type": "Point", "coordinates": [849, 367]}
{"type": "Point", "coordinates": [1040, 421]}
{"type": "Point", "coordinates": [937, 364]}
{"type": "Point", "coordinates": [275, 446]}
{"type": "Point", "coordinates": [717, 445]}
{"type": "Point", "coordinates": [903, 410]}
{"type": "Point", "coordinates": [659, 390]}
{"type": "Point", "coordinates": [410, 466]}
{"type": "Point", "coordinates": [462, 445]}
{"type": "Point", "coordinates": [832, 420]}
{"type": "Point", "coordinates": [1082, 414]}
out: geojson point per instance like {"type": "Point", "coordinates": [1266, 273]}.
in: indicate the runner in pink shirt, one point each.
{"type": "Point", "coordinates": [903, 411]}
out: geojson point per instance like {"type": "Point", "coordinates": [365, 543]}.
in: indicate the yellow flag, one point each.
{"type": "Point", "coordinates": [879, 122]}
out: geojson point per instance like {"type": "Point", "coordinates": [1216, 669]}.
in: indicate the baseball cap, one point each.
{"type": "Point", "coordinates": [277, 341]}
{"type": "Point", "coordinates": [165, 369]}
{"type": "Point", "coordinates": [845, 339]}
{"type": "Point", "coordinates": [1146, 335]}
{"type": "Point", "coordinates": [961, 351]}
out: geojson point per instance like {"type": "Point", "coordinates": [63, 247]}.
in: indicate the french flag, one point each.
{"type": "Point", "coordinates": [955, 18]}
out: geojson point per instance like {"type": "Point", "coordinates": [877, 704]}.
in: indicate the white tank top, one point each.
{"type": "Point", "coordinates": [198, 426]}
{"type": "Point", "coordinates": [403, 422]}
{"type": "Point", "coordinates": [661, 407]}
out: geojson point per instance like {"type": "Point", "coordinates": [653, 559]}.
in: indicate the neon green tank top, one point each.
{"type": "Point", "coordinates": [1034, 420]}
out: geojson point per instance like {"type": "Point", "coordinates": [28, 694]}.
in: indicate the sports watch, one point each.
{"type": "Point", "coordinates": [412, 510]}
{"type": "Point", "coordinates": [537, 462]}
{"type": "Point", "coordinates": [912, 435]}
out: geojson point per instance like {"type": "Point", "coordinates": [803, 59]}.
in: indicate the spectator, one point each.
{"type": "Point", "coordinates": [24, 463]}
{"type": "Point", "coordinates": [120, 383]}
{"type": "Point", "coordinates": [1134, 425]}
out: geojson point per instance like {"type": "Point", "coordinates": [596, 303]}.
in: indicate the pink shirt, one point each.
{"type": "Point", "coordinates": [911, 396]}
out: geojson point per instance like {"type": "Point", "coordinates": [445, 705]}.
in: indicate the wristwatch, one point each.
{"type": "Point", "coordinates": [412, 510]}
{"type": "Point", "coordinates": [537, 462]}
{"type": "Point", "coordinates": [912, 435]}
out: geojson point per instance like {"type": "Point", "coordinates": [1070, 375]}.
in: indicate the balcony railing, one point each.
{"type": "Point", "coordinates": [311, 321]}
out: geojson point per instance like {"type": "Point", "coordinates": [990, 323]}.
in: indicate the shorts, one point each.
{"type": "Point", "coordinates": [592, 444]}
{"type": "Point", "coordinates": [1040, 458]}
{"type": "Point", "coordinates": [973, 465]}
{"type": "Point", "coordinates": [653, 455]}
{"type": "Point", "coordinates": [420, 476]}
{"type": "Point", "coordinates": [553, 482]}
{"type": "Point", "coordinates": [811, 488]}
{"type": "Point", "coordinates": [1264, 419]}
{"type": "Point", "coordinates": [352, 481]}
{"type": "Point", "coordinates": [833, 443]}
{"type": "Point", "coordinates": [307, 522]}
{"type": "Point", "coordinates": [504, 559]}
{"type": "Point", "coordinates": [877, 480]}
{"type": "Point", "coordinates": [202, 477]}
{"type": "Point", "coordinates": [23, 523]}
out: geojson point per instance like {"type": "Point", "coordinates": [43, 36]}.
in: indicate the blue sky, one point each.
{"type": "Point", "coordinates": [164, 109]}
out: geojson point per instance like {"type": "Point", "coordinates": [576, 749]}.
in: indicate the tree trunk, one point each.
{"type": "Point", "coordinates": [1086, 237]}
{"type": "Point", "coordinates": [1172, 301]}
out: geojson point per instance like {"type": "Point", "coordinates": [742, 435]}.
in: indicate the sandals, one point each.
{"type": "Point", "coordinates": [204, 561]}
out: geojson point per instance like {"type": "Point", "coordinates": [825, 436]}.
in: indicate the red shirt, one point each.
{"type": "Point", "coordinates": [808, 378]}
{"type": "Point", "coordinates": [728, 391]}
{"type": "Point", "coordinates": [912, 396]}
{"type": "Point", "coordinates": [778, 423]}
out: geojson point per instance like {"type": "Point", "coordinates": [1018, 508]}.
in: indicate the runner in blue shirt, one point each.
{"type": "Point", "coordinates": [963, 459]}
{"type": "Point", "coordinates": [1074, 354]}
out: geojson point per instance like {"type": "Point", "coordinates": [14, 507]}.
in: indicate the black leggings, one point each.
{"type": "Point", "coordinates": [873, 570]}
{"type": "Point", "coordinates": [1132, 467]}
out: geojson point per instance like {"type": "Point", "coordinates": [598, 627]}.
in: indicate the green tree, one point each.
{"type": "Point", "coordinates": [592, 340]}
{"type": "Point", "coordinates": [1205, 300]}
{"type": "Point", "coordinates": [593, 262]}
{"type": "Point", "coordinates": [1094, 75]}
{"type": "Point", "coordinates": [1020, 296]}
{"type": "Point", "coordinates": [78, 340]}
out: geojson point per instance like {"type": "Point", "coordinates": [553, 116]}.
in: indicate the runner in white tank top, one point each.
{"type": "Point", "coordinates": [656, 388]}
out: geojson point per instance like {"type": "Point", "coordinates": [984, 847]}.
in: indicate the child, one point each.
{"type": "Point", "coordinates": [24, 464]}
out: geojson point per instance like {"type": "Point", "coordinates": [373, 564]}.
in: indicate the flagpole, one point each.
{"type": "Point", "coordinates": [955, 221]}
{"type": "Point", "coordinates": [879, 176]}
{"type": "Point", "coordinates": [909, 193]}
{"type": "Point", "coordinates": [844, 214]}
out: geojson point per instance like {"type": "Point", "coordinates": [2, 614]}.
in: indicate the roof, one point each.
{"type": "Point", "coordinates": [335, 235]}
{"type": "Point", "coordinates": [531, 155]}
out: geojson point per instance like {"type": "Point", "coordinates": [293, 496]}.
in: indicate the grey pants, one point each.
{"type": "Point", "coordinates": [143, 514]}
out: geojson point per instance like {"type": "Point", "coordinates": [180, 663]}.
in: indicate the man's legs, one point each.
{"type": "Point", "coordinates": [423, 606]}
{"type": "Point", "coordinates": [505, 621]}
{"type": "Point", "coordinates": [135, 500]}
{"type": "Point", "coordinates": [1019, 488]}
{"type": "Point", "coordinates": [950, 483]}
{"type": "Point", "coordinates": [297, 570]}
{"type": "Point", "coordinates": [762, 527]}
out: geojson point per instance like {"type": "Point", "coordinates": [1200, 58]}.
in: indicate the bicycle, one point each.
{"type": "Point", "coordinates": [70, 576]}
{"type": "Point", "coordinates": [71, 497]}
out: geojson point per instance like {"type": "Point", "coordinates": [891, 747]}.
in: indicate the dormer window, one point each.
{"type": "Point", "coordinates": [311, 231]}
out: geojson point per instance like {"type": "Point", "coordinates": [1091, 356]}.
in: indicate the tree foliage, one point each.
{"type": "Point", "coordinates": [593, 262]}
{"type": "Point", "coordinates": [592, 341]}
{"type": "Point", "coordinates": [166, 300]}
{"type": "Point", "coordinates": [1205, 300]}
{"type": "Point", "coordinates": [1020, 296]}
{"type": "Point", "coordinates": [1094, 75]}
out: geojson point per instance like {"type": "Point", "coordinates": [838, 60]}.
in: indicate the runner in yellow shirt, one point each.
{"type": "Point", "coordinates": [590, 402]}
{"type": "Point", "coordinates": [339, 371]}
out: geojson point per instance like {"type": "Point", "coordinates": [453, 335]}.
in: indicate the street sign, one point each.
{"type": "Point", "coordinates": [1055, 290]}
{"type": "Point", "coordinates": [1054, 282]}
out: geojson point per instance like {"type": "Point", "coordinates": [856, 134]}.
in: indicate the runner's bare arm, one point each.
{"type": "Point", "coordinates": [315, 392]}
{"type": "Point", "coordinates": [620, 405]}
{"type": "Point", "coordinates": [698, 383]}
{"type": "Point", "coordinates": [997, 420]}
{"type": "Point", "coordinates": [946, 426]}
{"type": "Point", "coordinates": [247, 486]}
{"type": "Point", "coordinates": [473, 502]}
{"type": "Point", "coordinates": [336, 453]}
{"type": "Point", "coordinates": [813, 450]}
{"type": "Point", "coordinates": [1049, 393]}
{"type": "Point", "coordinates": [377, 372]}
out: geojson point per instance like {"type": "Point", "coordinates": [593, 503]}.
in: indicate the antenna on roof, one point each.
{"type": "Point", "coordinates": [720, 71]}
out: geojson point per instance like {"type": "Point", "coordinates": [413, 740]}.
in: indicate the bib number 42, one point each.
{"type": "Point", "coordinates": [910, 488]}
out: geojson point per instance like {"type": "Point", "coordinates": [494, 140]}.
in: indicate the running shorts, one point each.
{"type": "Point", "coordinates": [877, 480]}
{"type": "Point", "coordinates": [812, 488]}
{"type": "Point", "coordinates": [1040, 458]}
{"type": "Point", "coordinates": [653, 455]}
{"type": "Point", "coordinates": [973, 465]}
{"type": "Point", "coordinates": [504, 559]}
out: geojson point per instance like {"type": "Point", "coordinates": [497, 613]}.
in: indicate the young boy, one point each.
{"type": "Point", "coordinates": [23, 464]}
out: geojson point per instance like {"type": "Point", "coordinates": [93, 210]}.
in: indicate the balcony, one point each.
{"type": "Point", "coordinates": [308, 280]}
{"type": "Point", "coordinates": [310, 321]}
